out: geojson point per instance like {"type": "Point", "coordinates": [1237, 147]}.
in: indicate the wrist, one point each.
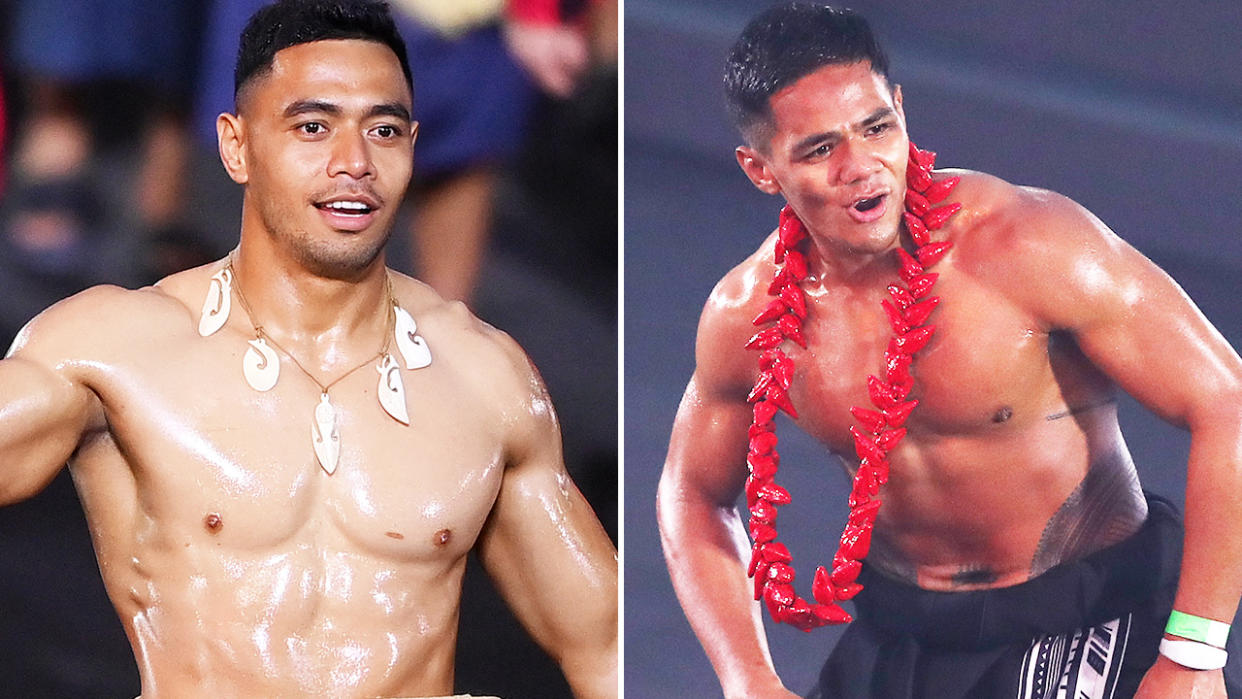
{"type": "Point", "coordinates": [1193, 655]}
{"type": "Point", "coordinates": [1197, 628]}
{"type": "Point", "coordinates": [749, 687]}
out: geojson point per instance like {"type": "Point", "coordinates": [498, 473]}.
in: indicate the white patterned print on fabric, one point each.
{"type": "Point", "coordinates": [1082, 664]}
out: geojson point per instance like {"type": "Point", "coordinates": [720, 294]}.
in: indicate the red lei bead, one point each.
{"type": "Point", "coordinates": [879, 427]}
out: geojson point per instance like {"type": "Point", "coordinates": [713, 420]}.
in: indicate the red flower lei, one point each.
{"type": "Point", "coordinates": [877, 431]}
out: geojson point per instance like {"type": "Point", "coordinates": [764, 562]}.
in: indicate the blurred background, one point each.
{"type": "Point", "coordinates": [1132, 109]}
{"type": "Point", "coordinates": [109, 174]}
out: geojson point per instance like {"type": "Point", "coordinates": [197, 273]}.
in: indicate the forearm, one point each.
{"type": "Point", "coordinates": [588, 650]}
{"type": "Point", "coordinates": [1211, 573]}
{"type": "Point", "coordinates": [705, 544]}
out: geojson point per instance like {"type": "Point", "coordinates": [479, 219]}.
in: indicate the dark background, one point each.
{"type": "Point", "coordinates": [1132, 109]}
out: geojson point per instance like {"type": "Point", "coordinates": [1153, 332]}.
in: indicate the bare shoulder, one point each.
{"type": "Point", "coordinates": [999, 215]}
{"type": "Point", "coordinates": [487, 359]}
{"type": "Point", "coordinates": [726, 322]}
{"type": "Point", "coordinates": [1044, 249]}
{"type": "Point", "coordinates": [452, 324]}
{"type": "Point", "coordinates": [91, 324]}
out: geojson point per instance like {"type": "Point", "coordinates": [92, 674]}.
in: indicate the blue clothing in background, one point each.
{"type": "Point", "coordinates": [149, 41]}
{"type": "Point", "coordinates": [471, 100]}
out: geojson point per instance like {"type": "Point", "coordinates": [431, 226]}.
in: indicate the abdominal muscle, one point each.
{"type": "Point", "coordinates": [1000, 507]}
{"type": "Point", "coordinates": [310, 619]}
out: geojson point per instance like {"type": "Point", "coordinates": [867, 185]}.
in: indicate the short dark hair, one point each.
{"type": "Point", "coordinates": [288, 23]}
{"type": "Point", "coordinates": [786, 43]}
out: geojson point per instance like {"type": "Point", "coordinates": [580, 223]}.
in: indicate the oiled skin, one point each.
{"type": "Point", "coordinates": [1014, 460]}
{"type": "Point", "coordinates": [960, 501]}
{"type": "Point", "coordinates": [237, 566]}
{"type": "Point", "coordinates": [308, 584]}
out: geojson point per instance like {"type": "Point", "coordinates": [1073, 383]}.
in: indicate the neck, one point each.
{"type": "Point", "coordinates": [297, 306]}
{"type": "Point", "coordinates": [832, 264]}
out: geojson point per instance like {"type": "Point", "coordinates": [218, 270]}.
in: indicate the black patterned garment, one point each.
{"type": "Point", "coordinates": [1088, 629]}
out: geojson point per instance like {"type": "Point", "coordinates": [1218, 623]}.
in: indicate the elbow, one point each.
{"type": "Point", "coordinates": [662, 495]}
{"type": "Point", "coordinates": [588, 651]}
{"type": "Point", "coordinates": [670, 512]}
{"type": "Point", "coordinates": [1219, 410]}
{"type": "Point", "coordinates": [20, 484]}
{"type": "Point", "coordinates": [593, 671]}
{"type": "Point", "coordinates": [1215, 427]}
{"type": "Point", "coordinates": [671, 505]}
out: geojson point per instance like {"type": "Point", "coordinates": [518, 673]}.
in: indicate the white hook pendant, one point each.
{"type": "Point", "coordinates": [413, 348]}
{"type": "Point", "coordinates": [324, 436]}
{"type": "Point", "coordinates": [216, 305]}
{"type": "Point", "coordinates": [391, 390]}
{"type": "Point", "coordinates": [261, 365]}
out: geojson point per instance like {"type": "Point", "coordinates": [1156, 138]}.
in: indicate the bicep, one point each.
{"type": "Point", "coordinates": [1132, 320]}
{"type": "Point", "coordinates": [42, 418]}
{"type": "Point", "coordinates": [548, 554]}
{"type": "Point", "coordinates": [544, 547]}
{"type": "Point", "coordinates": [707, 450]}
{"type": "Point", "coordinates": [1157, 345]}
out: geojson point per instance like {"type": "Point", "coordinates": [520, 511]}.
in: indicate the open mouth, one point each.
{"type": "Point", "coordinates": [346, 208]}
{"type": "Point", "coordinates": [869, 209]}
{"type": "Point", "coordinates": [349, 212]}
{"type": "Point", "coordinates": [864, 205]}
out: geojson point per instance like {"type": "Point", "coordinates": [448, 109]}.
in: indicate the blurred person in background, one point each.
{"type": "Point", "coordinates": [479, 66]}
{"type": "Point", "coordinates": [132, 59]}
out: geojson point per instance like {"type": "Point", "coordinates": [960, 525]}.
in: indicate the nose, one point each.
{"type": "Point", "coordinates": [350, 156]}
{"type": "Point", "coordinates": [857, 162]}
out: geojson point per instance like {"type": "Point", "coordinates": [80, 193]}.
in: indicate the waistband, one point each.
{"type": "Point", "coordinates": [1139, 571]}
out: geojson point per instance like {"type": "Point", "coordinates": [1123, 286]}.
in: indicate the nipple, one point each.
{"type": "Point", "coordinates": [1003, 414]}
{"type": "Point", "coordinates": [442, 537]}
{"type": "Point", "coordinates": [213, 523]}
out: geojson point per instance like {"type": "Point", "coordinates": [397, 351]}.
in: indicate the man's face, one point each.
{"type": "Point", "coordinates": [328, 145]}
{"type": "Point", "coordinates": [837, 150]}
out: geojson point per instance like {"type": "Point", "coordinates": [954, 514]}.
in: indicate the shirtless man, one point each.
{"type": "Point", "coordinates": [266, 521]}
{"type": "Point", "coordinates": [1013, 528]}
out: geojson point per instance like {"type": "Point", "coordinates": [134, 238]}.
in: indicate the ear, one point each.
{"type": "Point", "coordinates": [901, 112]}
{"type": "Point", "coordinates": [230, 135]}
{"type": "Point", "coordinates": [413, 133]}
{"type": "Point", "coordinates": [756, 168]}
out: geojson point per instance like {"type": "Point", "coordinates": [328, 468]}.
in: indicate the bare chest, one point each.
{"type": "Point", "coordinates": [984, 364]}
{"type": "Point", "coordinates": [213, 459]}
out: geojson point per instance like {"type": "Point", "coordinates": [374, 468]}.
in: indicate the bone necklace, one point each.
{"type": "Point", "coordinates": [879, 428]}
{"type": "Point", "coordinates": [261, 364]}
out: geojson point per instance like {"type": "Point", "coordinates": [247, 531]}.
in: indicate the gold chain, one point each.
{"type": "Point", "coordinates": [390, 322]}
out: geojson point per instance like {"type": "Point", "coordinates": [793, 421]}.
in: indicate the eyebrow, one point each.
{"type": "Point", "coordinates": [392, 109]}
{"type": "Point", "coordinates": [878, 115]}
{"type": "Point", "coordinates": [834, 136]}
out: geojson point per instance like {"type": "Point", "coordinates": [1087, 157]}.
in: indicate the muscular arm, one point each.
{"type": "Point", "coordinates": [1138, 326]}
{"type": "Point", "coordinates": [547, 553]}
{"type": "Point", "coordinates": [704, 538]}
{"type": "Point", "coordinates": [43, 412]}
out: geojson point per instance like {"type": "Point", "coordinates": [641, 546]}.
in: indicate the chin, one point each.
{"type": "Point", "coordinates": [874, 238]}
{"type": "Point", "coordinates": [339, 259]}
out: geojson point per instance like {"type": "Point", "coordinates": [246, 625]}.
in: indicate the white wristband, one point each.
{"type": "Point", "coordinates": [1193, 654]}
